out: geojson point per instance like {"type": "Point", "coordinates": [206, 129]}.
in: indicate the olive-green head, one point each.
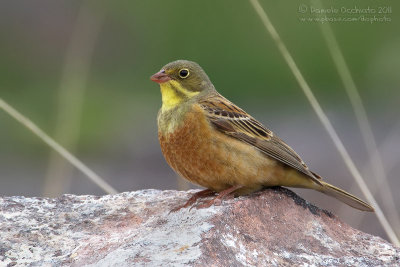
{"type": "Point", "coordinates": [187, 73]}
{"type": "Point", "coordinates": [180, 81]}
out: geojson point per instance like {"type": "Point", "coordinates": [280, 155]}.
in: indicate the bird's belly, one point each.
{"type": "Point", "coordinates": [214, 160]}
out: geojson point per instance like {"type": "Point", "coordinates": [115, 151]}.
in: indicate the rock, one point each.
{"type": "Point", "coordinates": [270, 228]}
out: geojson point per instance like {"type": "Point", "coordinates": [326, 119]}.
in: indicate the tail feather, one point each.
{"type": "Point", "coordinates": [345, 197]}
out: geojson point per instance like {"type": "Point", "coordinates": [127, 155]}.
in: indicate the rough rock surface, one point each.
{"type": "Point", "coordinates": [270, 228]}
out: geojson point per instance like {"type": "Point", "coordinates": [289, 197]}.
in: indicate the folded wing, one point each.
{"type": "Point", "coordinates": [233, 121]}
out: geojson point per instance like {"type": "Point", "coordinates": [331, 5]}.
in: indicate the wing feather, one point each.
{"type": "Point", "coordinates": [233, 121]}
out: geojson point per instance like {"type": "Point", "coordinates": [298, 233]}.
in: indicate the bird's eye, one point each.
{"type": "Point", "coordinates": [184, 73]}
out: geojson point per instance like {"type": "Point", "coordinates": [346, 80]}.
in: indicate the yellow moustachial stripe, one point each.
{"type": "Point", "coordinates": [173, 94]}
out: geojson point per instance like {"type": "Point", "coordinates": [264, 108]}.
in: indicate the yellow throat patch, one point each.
{"type": "Point", "coordinates": [173, 94]}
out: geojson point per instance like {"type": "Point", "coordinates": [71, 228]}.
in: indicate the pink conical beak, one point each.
{"type": "Point", "coordinates": [160, 77]}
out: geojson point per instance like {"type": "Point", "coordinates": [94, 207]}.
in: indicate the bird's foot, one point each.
{"type": "Point", "coordinates": [226, 194]}
{"type": "Point", "coordinates": [194, 198]}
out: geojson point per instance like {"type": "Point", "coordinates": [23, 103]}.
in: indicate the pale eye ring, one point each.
{"type": "Point", "coordinates": [184, 73]}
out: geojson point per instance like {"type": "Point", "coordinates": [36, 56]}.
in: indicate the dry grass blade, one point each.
{"type": "Point", "coordinates": [325, 121]}
{"type": "Point", "coordinates": [71, 94]}
{"type": "Point", "coordinates": [386, 145]}
{"type": "Point", "coordinates": [54, 145]}
{"type": "Point", "coordinates": [375, 161]}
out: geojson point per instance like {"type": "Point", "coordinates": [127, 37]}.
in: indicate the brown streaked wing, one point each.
{"type": "Point", "coordinates": [233, 121]}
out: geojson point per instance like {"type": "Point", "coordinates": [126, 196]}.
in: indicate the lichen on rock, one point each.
{"type": "Point", "coordinates": [273, 227]}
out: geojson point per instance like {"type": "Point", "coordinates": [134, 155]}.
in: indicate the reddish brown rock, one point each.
{"type": "Point", "coordinates": [270, 228]}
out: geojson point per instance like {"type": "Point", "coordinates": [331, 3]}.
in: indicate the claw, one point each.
{"type": "Point", "coordinates": [227, 193]}
{"type": "Point", "coordinates": [193, 199]}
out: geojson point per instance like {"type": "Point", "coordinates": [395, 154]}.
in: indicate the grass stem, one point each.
{"type": "Point", "coordinates": [71, 95]}
{"type": "Point", "coordinates": [57, 147]}
{"type": "Point", "coordinates": [375, 159]}
{"type": "Point", "coordinates": [325, 121]}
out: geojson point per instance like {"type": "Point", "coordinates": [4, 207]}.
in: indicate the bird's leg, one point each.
{"type": "Point", "coordinates": [223, 194]}
{"type": "Point", "coordinates": [194, 197]}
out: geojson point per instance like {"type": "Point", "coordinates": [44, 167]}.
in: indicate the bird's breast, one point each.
{"type": "Point", "coordinates": [207, 157]}
{"type": "Point", "coordinates": [184, 139]}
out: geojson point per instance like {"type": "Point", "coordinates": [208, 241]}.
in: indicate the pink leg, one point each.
{"type": "Point", "coordinates": [223, 194]}
{"type": "Point", "coordinates": [193, 199]}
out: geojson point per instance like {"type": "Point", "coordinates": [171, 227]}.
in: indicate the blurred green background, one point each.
{"type": "Point", "coordinates": [80, 70]}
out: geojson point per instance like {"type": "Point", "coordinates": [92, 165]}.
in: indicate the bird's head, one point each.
{"type": "Point", "coordinates": [181, 81]}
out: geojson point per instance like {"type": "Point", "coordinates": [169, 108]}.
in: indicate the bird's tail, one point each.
{"type": "Point", "coordinates": [343, 196]}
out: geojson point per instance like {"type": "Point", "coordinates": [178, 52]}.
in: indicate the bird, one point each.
{"type": "Point", "coordinates": [213, 143]}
